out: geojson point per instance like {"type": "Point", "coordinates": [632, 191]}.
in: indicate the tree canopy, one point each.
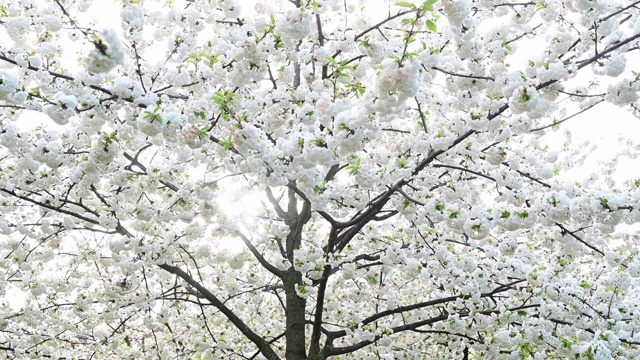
{"type": "Point", "coordinates": [404, 169]}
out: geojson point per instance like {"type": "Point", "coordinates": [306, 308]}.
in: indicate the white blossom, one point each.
{"type": "Point", "coordinates": [213, 176]}
{"type": "Point", "coordinates": [8, 83]}
{"type": "Point", "coordinates": [295, 25]}
{"type": "Point", "coordinates": [107, 53]}
{"type": "Point", "coordinates": [17, 27]}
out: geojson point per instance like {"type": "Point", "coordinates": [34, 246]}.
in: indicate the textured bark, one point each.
{"type": "Point", "coordinates": [295, 331]}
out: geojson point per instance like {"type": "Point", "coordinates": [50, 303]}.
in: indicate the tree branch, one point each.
{"type": "Point", "coordinates": [259, 341]}
{"type": "Point", "coordinates": [566, 231]}
{"type": "Point", "coordinates": [272, 269]}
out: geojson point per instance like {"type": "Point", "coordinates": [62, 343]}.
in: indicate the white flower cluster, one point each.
{"type": "Point", "coordinates": [456, 10]}
{"type": "Point", "coordinates": [51, 22]}
{"type": "Point", "coordinates": [151, 123]}
{"type": "Point", "coordinates": [295, 25]}
{"type": "Point", "coordinates": [17, 27]}
{"type": "Point", "coordinates": [63, 110]}
{"type": "Point", "coordinates": [524, 99]}
{"type": "Point", "coordinates": [623, 92]}
{"type": "Point", "coordinates": [8, 83]}
{"type": "Point", "coordinates": [395, 84]}
{"type": "Point", "coordinates": [192, 136]}
{"type": "Point", "coordinates": [614, 66]}
{"type": "Point", "coordinates": [107, 53]}
{"type": "Point", "coordinates": [104, 151]}
{"type": "Point", "coordinates": [127, 88]}
{"type": "Point", "coordinates": [410, 162]}
{"type": "Point", "coordinates": [132, 18]}
{"type": "Point", "coordinates": [230, 8]}
{"type": "Point", "coordinates": [553, 71]}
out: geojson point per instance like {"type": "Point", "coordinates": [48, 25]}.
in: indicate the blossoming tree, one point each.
{"type": "Point", "coordinates": [406, 162]}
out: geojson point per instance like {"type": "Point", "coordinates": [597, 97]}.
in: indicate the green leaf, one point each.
{"type": "Point", "coordinates": [355, 168]}
{"type": "Point", "coordinates": [611, 289]}
{"type": "Point", "coordinates": [605, 203]}
{"type": "Point", "coordinates": [585, 285]}
{"type": "Point", "coordinates": [314, 5]}
{"type": "Point", "coordinates": [405, 204]}
{"type": "Point", "coordinates": [506, 45]}
{"type": "Point", "coordinates": [541, 5]}
{"type": "Point", "coordinates": [319, 142]}
{"type": "Point", "coordinates": [428, 5]}
{"type": "Point", "coordinates": [526, 350]}
{"type": "Point", "coordinates": [227, 144]}
{"type": "Point", "coordinates": [432, 26]}
{"type": "Point", "coordinates": [525, 96]}
{"type": "Point", "coordinates": [406, 4]}
{"type": "Point", "coordinates": [201, 133]}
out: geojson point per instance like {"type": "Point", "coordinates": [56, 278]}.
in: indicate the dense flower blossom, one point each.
{"type": "Point", "coordinates": [17, 27]}
{"type": "Point", "coordinates": [8, 83]}
{"type": "Point", "coordinates": [107, 53]}
{"type": "Point", "coordinates": [317, 180]}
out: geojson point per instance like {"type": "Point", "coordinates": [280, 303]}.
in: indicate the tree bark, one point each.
{"type": "Point", "coordinates": [295, 317]}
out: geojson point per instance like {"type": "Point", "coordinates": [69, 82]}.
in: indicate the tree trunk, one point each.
{"type": "Point", "coordinates": [295, 331]}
